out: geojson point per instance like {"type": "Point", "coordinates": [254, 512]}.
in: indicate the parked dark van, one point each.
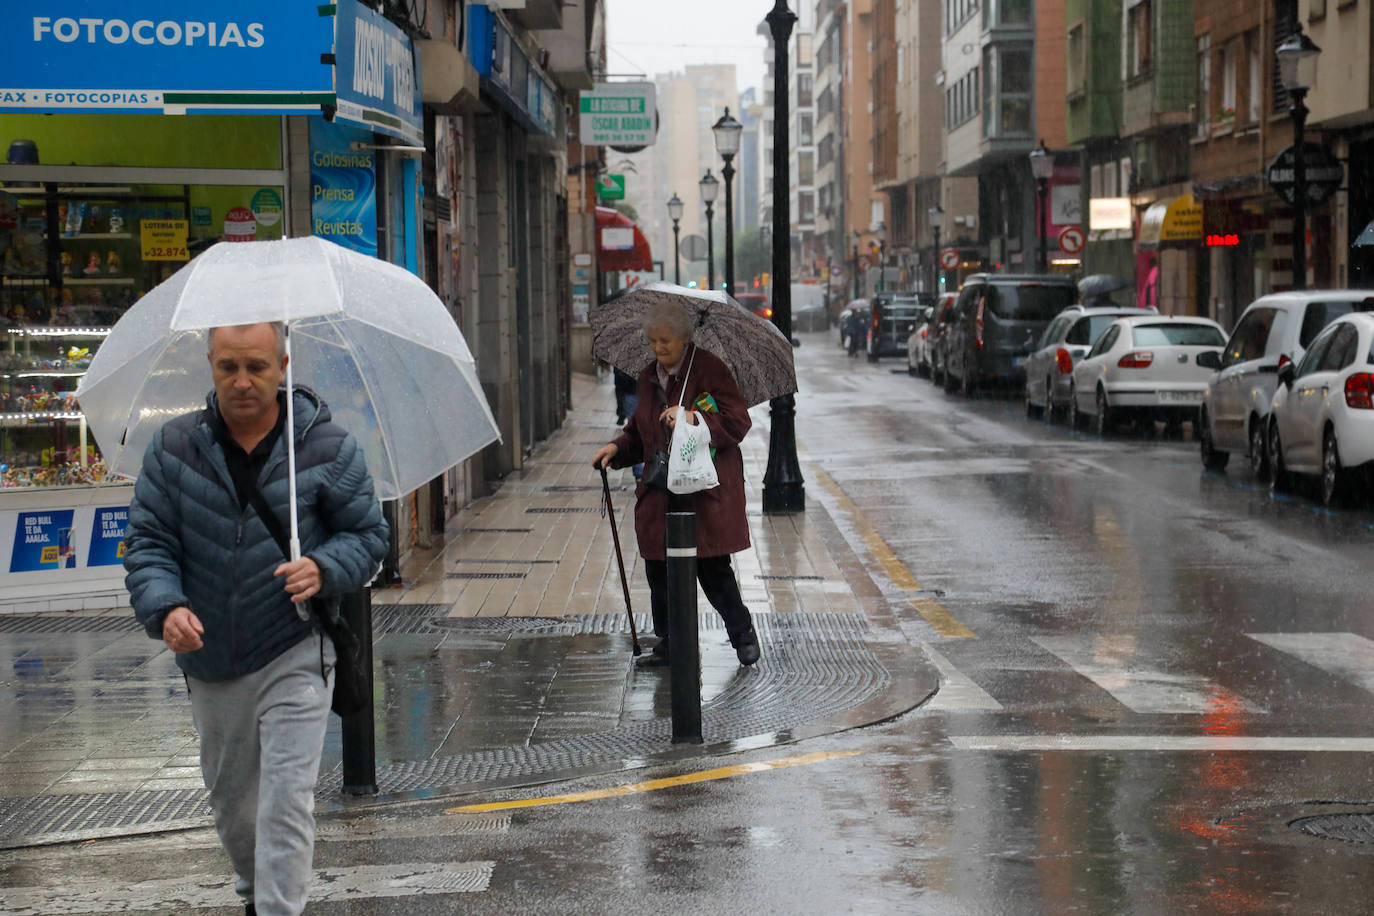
{"type": "Point", "coordinates": [997, 321]}
{"type": "Point", "coordinates": [895, 316]}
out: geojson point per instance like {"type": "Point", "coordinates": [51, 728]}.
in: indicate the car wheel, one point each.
{"type": "Point", "coordinates": [1278, 471]}
{"type": "Point", "coordinates": [1051, 411]}
{"type": "Point", "coordinates": [1333, 474]}
{"type": "Point", "coordinates": [1032, 410]}
{"type": "Point", "coordinates": [1212, 460]}
{"type": "Point", "coordinates": [937, 375]}
{"type": "Point", "coordinates": [967, 384]}
{"type": "Point", "coordinates": [1259, 452]}
{"type": "Point", "coordinates": [951, 383]}
{"type": "Point", "coordinates": [1103, 421]}
{"type": "Point", "coordinates": [1075, 414]}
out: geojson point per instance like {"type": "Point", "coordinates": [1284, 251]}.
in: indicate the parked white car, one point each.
{"type": "Point", "coordinates": [1144, 365]}
{"type": "Point", "coordinates": [1272, 329]}
{"type": "Point", "coordinates": [1322, 415]}
{"type": "Point", "coordinates": [918, 344]}
{"type": "Point", "coordinates": [1049, 367]}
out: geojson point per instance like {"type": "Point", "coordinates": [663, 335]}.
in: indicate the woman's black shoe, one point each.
{"type": "Point", "coordinates": [657, 658]}
{"type": "Point", "coordinates": [746, 646]}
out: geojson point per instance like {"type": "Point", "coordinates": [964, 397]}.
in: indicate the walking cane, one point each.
{"type": "Point", "coordinates": [615, 536]}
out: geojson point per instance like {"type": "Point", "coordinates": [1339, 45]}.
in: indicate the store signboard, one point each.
{"type": "Point", "coordinates": [164, 239]}
{"type": "Point", "coordinates": [107, 537]}
{"type": "Point", "coordinates": [377, 80]}
{"type": "Point", "coordinates": [618, 114]}
{"type": "Point", "coordinates": [251, 56]}
{"type": "Point", "coordinates": [43, 540]}
{"type": "Point", "coordinates": [343, 187]}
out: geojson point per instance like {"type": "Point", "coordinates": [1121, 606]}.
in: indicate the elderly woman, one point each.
{"type": "Point", "coordinates": [712, 398]}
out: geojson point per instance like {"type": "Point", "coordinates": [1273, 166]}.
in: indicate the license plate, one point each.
{"type": "Point", "coordinates": [1180, 397]}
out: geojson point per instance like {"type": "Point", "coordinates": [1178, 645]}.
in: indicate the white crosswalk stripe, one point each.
{"type": "Point", "coordinates": [1347, 655]}
{"type": "Point", "coordinates": [957, 690]}
{"type": "Point", "coordinates": [1115, 664]}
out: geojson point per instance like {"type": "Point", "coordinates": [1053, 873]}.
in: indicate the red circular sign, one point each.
{"type": "Point", "coordinates": [950, 258]}
{"type": "Point", "coordinates": [240, 225]}
{"type": "Point", "coordinates": [1072, 239]}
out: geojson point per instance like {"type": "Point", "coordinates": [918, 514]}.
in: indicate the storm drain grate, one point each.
{"type": "Point", "coordinates": [485, 575]}
{"type": "Point", "coordinates": [497, 530]}
{"type": "Point", "coordinates": [497, 624]}
{"type": "Point", "coordinates": [772, 578]}
{"type": "Point", "coordinates": [405, 618]}
{"type": "Point", "coordinates": [69, 624]}
{"type": "Point", "coordinates": [1348, 827]}
{"type": "Point", "coordinates": [480, 560]}
{"type": "Point", "coordinates": [558, 510]}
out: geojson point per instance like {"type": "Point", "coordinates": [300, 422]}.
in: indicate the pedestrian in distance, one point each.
{"type": "Point", "coordinates": [711, 397]}
{"type": "Point", "coordinates": [856, 329]}
{"type": "Point", "coordinates": [207, 578]}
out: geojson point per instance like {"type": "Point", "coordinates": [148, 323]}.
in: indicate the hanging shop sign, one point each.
{"type": "Point", "coordinates": [611, 187]}
{"type": "Point", "coordinates": [1171, 221]}
{"type": "Point", "coordinates": [343, 187]}
{"type": "Point", "coordinates": [1322, 173]}
{"type": "Point", "coordinates": [618, 114]}
{"type": "Point", "coordinates": [376, 78]}
{"type": "Point", "coordinates": [1109, 213]}
{"type": "Point", "coordinates": [166, 56]}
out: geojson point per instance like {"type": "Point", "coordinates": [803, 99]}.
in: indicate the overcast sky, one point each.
{"type": "Point", "coordinates": [655, 36]}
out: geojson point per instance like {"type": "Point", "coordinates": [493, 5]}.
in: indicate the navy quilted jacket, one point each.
{"type": "Point", "coordinates": [189, 543]}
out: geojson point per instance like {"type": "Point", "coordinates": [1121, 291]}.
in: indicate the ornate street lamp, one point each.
{"type": "Point", "coordinates": [1042, 167]}
{"type": "Point", "coordinates": [881, 234]}
{"type": "Point", "coordinates": [1298, 72]}
{"type": "Point", "coordinates": [727, 131]}
{"type": "Point", "coordinates": [710, 187]}
{"type": "Point", "coordinates": [936, 215]}
{"type": "Point", "coordinates": [855, 237]}
{"type": "Point", "coordinates": [675, 214]}
{"type": "Point", "coordinates": [783, 488]}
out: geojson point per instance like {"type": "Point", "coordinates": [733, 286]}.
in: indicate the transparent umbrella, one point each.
{"type": "Point", "coordinates": [370, 338]}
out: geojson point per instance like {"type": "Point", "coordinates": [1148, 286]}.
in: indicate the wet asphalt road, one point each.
{"type": "Point", "coordinates": [1123, 605]}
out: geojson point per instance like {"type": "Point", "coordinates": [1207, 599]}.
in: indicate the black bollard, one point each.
{"type": "Point", "coordinates": [685, 654]}
{"type": "Point", "coordinates": [359, 735]}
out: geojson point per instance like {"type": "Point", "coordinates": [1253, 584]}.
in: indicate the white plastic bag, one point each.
{"type": "Point", "coordinates": [690, 468]}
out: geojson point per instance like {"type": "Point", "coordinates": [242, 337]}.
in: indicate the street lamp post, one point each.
{"type": "Point", "coordinates": [783, 488]}
{"type": "Point", "coordinates": [1042, 167]}
{"type": "Point", "coordinates": [675, 214]}
{"type": "Point", "coordinates": [727, 132]}
{"type": "Point", "coordinates": [855, 235]}
{"type": "Point", "coordinates": [709, 188]}
{"type": "Point", "coordinates": [1298, 71]}
{"type": "Point", "coordinates": [881, 233]}
{"type": "Point", "coordinates": [936, 215]}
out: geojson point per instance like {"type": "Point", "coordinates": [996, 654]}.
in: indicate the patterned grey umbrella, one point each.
{"type": "Point", "coordinates": [756, 352]}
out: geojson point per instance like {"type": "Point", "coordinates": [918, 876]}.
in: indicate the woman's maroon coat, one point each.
{"type": "Point", "coordinates": [721, 525]}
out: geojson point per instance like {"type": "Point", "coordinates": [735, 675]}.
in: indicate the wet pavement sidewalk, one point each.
{"type": "Point", "coordinates": [505, 660]}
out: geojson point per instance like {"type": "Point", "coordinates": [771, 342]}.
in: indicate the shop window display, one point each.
{"type": "Point", "coordinates": [74, 259]}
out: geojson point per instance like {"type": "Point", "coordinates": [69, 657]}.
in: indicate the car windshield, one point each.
{"type": "Point", "coordinates": [1318, 315]}
{"type": "Point", "coordinates": [1177, 335]}
{"type": "Point", "coordinates": [1030, 302]}
{"type": "Point", "coordinates": [901, 310]}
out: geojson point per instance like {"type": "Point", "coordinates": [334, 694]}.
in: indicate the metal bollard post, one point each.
{"type": "Point", "coordinates": [359, 731]}
{"type": "Point", "coordinates": [685, 653]}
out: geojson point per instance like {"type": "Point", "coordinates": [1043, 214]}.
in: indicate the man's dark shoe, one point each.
{"type": "Point", "coordinates": [746, 646]}
{"type": "Point", "coordinates": [250, 910]}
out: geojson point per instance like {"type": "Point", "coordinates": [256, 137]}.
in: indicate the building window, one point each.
{"type": "Point", "coordinates": [1202, 104]}
{"type": "Point", "coordinates": [1006, 90]}
{"type": "Point", "coordinates": [1140, 38]}
{"type": "Point", "coordinates": [957, 12]}
{"type": "Point", "coordinates": [1076, 61]}
{"type": "Point", "coordinates": [806, 206]}
{"type": "Point", "coordinates": [805, 130]}
{"type": "Point", "coordinates": [1008, 12]}
{"type": "Point", "coordinates": [1255, 82]}
{"type": "Point", "coordinates": [1226, 113]}
{"type": "Point", "coordinates": [806, 168]}
{"type": "Point", "coordinates": [804, 90]}
{"type": "Point", "coordinates": [961, 99]}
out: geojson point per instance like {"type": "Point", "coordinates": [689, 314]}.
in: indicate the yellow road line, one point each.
{"type": "Point", "coordinates": [654, 785]}
{"type": "Point", "coordinates": [895, 570]}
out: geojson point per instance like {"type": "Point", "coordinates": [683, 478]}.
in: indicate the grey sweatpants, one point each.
{"type": "Point", "coordinates": [261, 738]}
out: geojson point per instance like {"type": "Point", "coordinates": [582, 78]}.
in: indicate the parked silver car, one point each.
{"type": "Point", "coordinates": [1049, 367]}
{"type": "Point", "coordinates": [1272, 329]}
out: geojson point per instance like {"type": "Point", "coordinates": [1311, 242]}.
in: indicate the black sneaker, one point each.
{"type": "Point", "coordinates": [746, 645]}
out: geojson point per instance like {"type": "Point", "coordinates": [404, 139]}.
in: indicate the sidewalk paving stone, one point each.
{"type": "Point", "coordinates": [503, 660]}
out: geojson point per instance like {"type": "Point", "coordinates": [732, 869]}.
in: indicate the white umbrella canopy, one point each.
{"type": "Point", "coordinates": [369, 337]}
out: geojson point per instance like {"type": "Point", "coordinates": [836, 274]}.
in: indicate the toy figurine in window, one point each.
{"type": "Point", "coordinates": [112, 263]}
{"type": "Point", "coordinates": [79, 357]}
{"type": "Point", "coordinates": [67, 311]}
{"type": "Point", "coordinates": [116, 220]}
{"type": "Point", "coordinates": [95, 219]}
{"type": "Point", "coordinates": [92, 264]}
{"type": "Point", "coordinates": [76, 216]}
{"type": "Point", "coordinates": [66, 263]}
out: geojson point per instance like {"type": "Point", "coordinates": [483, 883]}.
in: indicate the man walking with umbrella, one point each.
{"type": "Point", "coordinates": [207, 577]}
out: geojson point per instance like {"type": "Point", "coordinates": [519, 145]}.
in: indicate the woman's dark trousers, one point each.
{"type": "Point", "coordinates": [717, 579]}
